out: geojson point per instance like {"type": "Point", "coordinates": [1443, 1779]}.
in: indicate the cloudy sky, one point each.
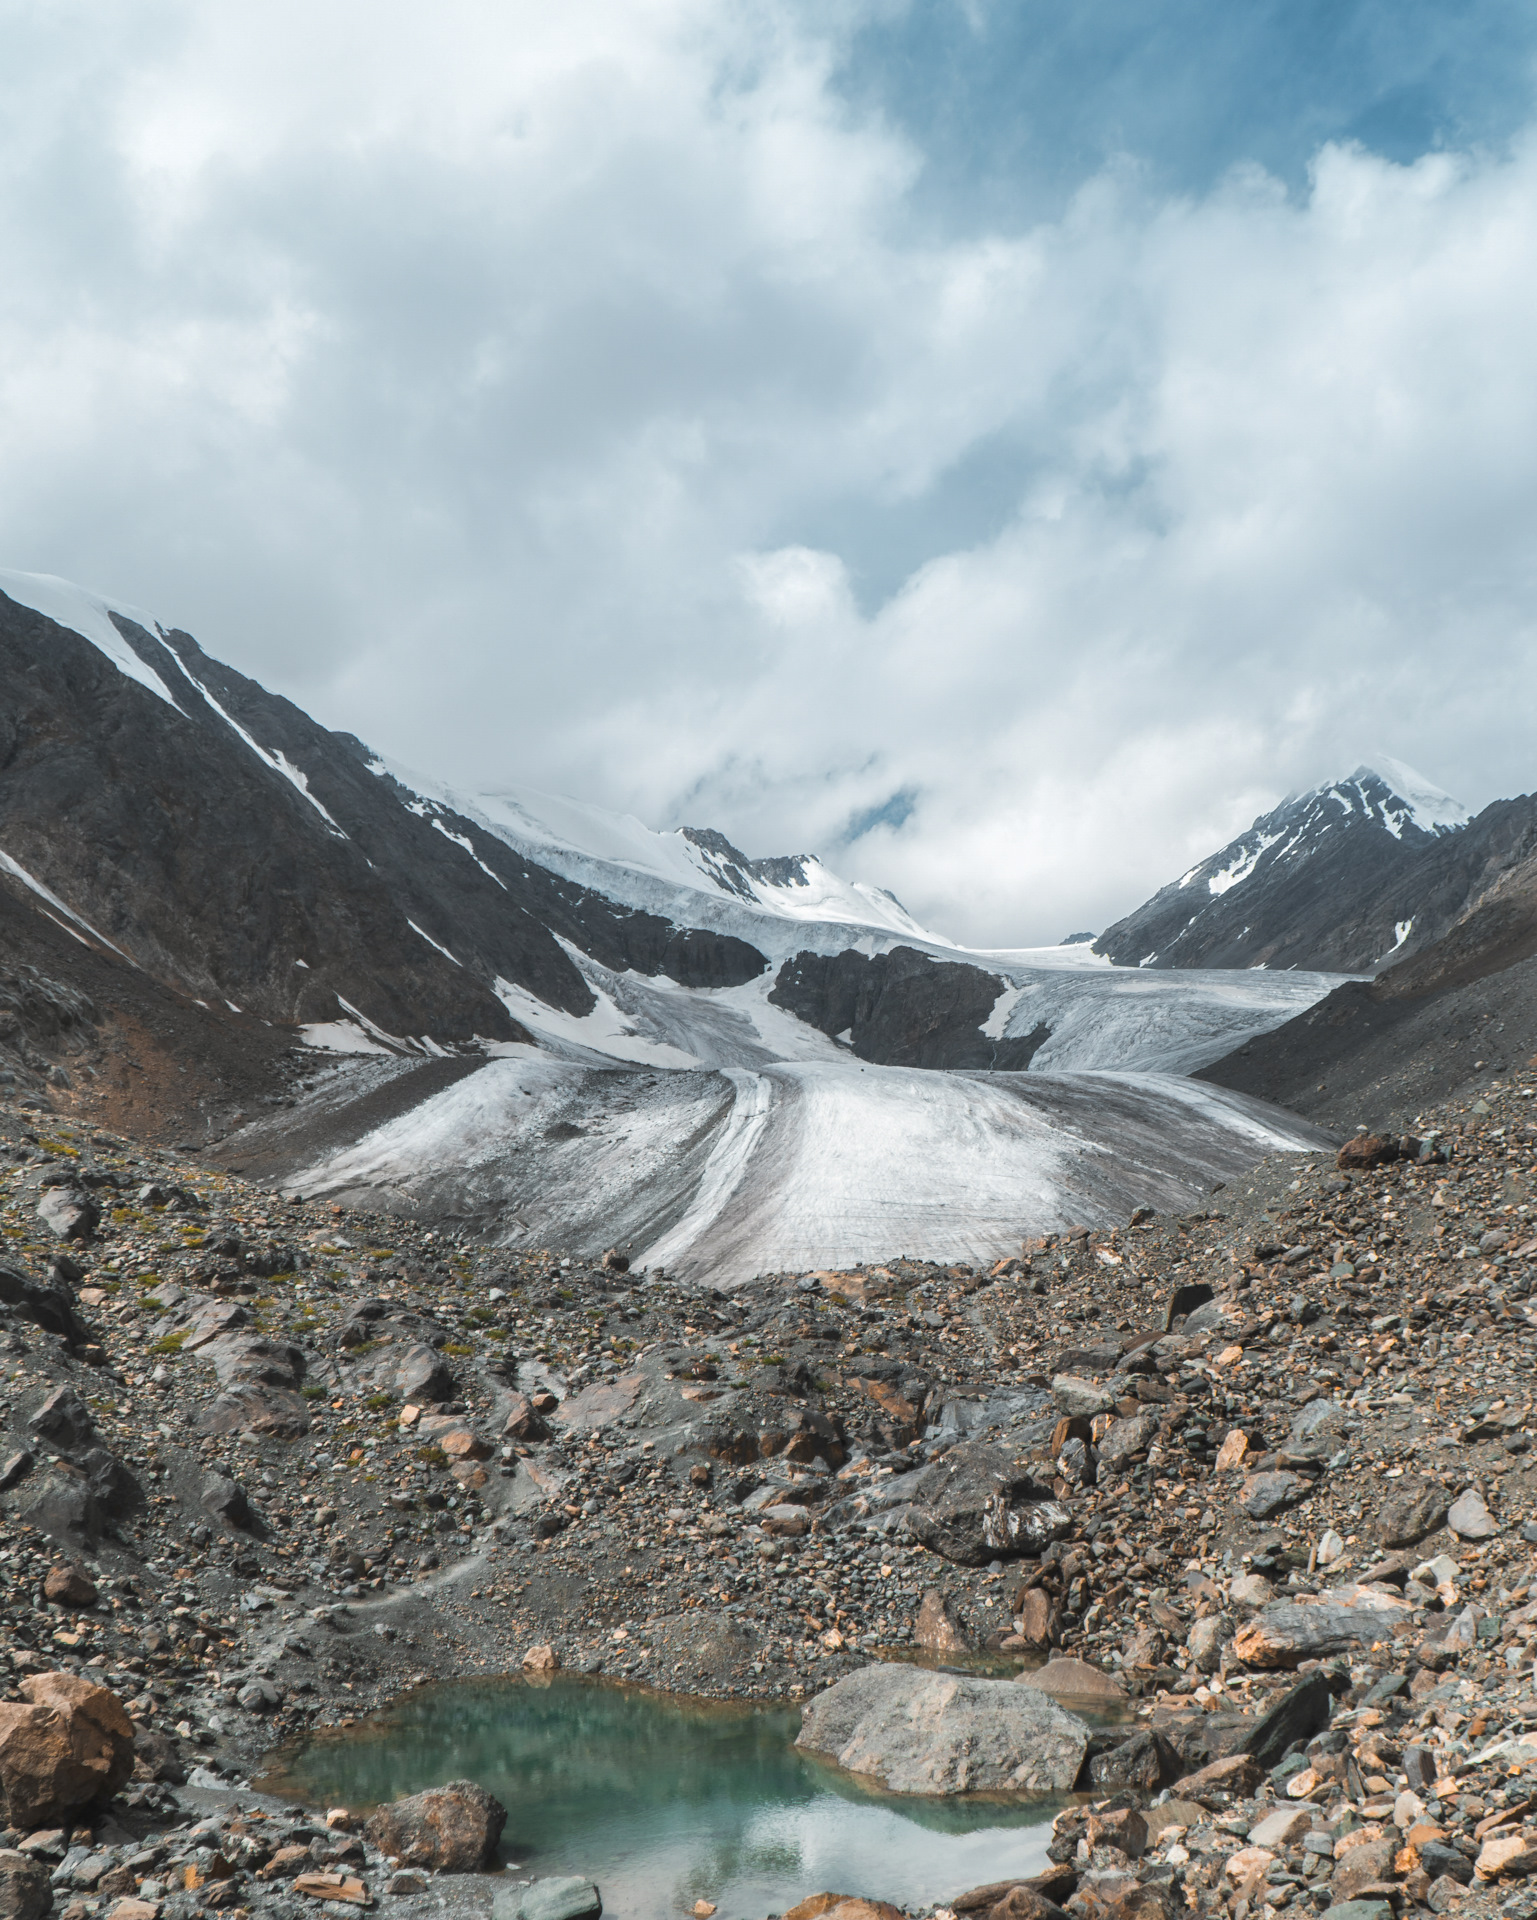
{"type": "Point", "coordinates": [1001, 445]}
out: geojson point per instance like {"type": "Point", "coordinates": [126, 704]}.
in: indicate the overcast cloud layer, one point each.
{"type": "Point", "coordinates": [874, 430]}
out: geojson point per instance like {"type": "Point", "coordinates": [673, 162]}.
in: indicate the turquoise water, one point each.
{"type": "Point", "coordinates": [664, 1801]}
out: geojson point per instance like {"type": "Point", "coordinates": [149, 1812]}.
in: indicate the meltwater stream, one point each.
{"type": "Point", "coordinates": [664, 1802]}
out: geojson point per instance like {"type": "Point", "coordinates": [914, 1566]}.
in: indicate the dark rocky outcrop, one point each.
{"type": "Point", "coordinates": [903, 1008]}
{"type": "Point", "coordinates": [220, 841]}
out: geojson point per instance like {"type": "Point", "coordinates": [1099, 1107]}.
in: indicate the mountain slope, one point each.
{"type": "Point", "coordinates": [1318, 883]}
{"type": "Point", "coordinates": [221, 840]}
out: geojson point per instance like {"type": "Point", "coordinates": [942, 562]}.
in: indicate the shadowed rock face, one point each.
{"type": "Point", "coordinates": [197, 854]}
{"type": "Point", "coordinates": [902, 1009]}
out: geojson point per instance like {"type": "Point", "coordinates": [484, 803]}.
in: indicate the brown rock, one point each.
{"type": "Point", "coordinates": [1125, 1829]}
{"type": "Point", "coordinates": [541, 1659]}
{"type": "Point", "coordinates": [69, 1745]}
{"type": "Point", "coordinates": [25, 1893]}
{"type": "Point", "coordinates": [452, 1829]}
{"type": "Point", "coordinates": [1023, 1902]}
{"type": "Point", "coordinates": [1362, 1867]}
{"type": "Point", "coordinates": [522, 1423]}
{"type": "Point", "coordinates": [1370, 1150]}
{"type": "Point", "coordinates": [69, 1587]}
{"type": "Point", "coordinates": [937, 1627]}
{"type": "Point", "coordinates": [1413, 1512]}
{"type": "Point", "coordinates": [344, 1887]}
{"type": "Point", "coordinates": [461, 1444]}
{"type": "Point", "coordinates": [1238, 1774]}
{"type": "Point", "coordinates": [1040, 1618]}
{"type": "Point", "coordinates": [842, 1906]}
{"type": "Point", "coordinates": [1514, 1854]}
{"type": "Point", "coordinates": [1073, 1679]}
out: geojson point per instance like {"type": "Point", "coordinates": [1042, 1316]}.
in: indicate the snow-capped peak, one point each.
{"type": "Point", "coordinates": [1424, 804]}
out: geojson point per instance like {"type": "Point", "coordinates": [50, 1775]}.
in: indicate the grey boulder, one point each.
{"type": "Point", "coordinates": [976, 1505]}
{"type": "Point", "coordinates": [69, 1213]}
{"type": "Point", "coordinates": [1469, 1518]}
{"type": "Point", "coordinates": [567, 1898]}
{"type": "Point", "coordinates": [938, 1733]}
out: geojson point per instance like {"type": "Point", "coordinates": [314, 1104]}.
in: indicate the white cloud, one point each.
{"type": "Point", "coordinates": [497, 381]}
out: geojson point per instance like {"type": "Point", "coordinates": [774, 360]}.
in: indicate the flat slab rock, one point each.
{"type": "Point", "coordinates": [917, 1732]}
{"type": "Point", "coordinates": [563, 1898]}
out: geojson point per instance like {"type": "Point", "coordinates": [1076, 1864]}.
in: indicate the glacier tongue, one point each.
{"type": "Point", "coordinates": [721, 1175]}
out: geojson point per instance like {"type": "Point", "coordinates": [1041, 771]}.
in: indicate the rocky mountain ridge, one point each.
{"type": "Point", "coordinates": [1351, 877]}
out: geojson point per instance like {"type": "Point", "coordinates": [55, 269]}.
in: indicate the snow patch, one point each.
{"type": "Point", "coordinates": [421, 934]}
{"type": "Point", "coordinates": [18, 872]}
{"type": "Point", "coordinates": [340, 1036]}
{"type": "Point", "coordinates": [275, 758]}
{"type": "Point", "coordinates": [91, 617]}
{"type": "Point", "coordinates": [1239, 869]}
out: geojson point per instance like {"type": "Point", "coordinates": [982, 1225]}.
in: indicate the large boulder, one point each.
{"type": "Point", "coordinates": [67, 1745]}
{"type": "Point", "coordinates": [977, 1504]}
{"type": "Point", "coordinates": [452, 1829]}
{"type": "Point", "coordinates": [917, 1732]}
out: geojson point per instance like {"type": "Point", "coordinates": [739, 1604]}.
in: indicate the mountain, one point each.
{"type": "Point", "coordinates": [225, 922]}
{"type": "Point", "coordinates": [1340, 878]}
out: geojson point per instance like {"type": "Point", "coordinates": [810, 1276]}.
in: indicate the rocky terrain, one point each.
{"type": "Point", "coordinates": [269, 1464]}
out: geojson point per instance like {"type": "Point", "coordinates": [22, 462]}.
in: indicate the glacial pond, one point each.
{"type": "Point", "coordinates": [665, 1801]}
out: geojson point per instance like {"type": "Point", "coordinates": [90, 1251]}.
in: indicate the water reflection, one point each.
{"type": "Point", "coordinates": [664, 1801]}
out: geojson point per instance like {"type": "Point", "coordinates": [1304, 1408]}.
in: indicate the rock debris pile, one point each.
{"type": "Point", "coordinates": [1258, 1477]}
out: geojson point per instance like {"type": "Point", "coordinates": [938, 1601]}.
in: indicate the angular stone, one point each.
{"type": "Point", "coordinates": [1414, 1511]}
{"type": "Point", "coordinates": [935, 1733]}
{"type": "Point", "coordinates": [1469, 1518]}
{"type": "Point", "coordinates": [1284, 1635]}
{"type": "Point", "coordinates": [1072, 1680]}
{"type": "Point", "coordinates": [937, 1628]}
{"type": "Point", "coordinates": [70, 1744]}
{"type": "Point", "coordinates": [1301, 1711]}
{"type": "Point", "coordinates": [1082, 1397]}
{"type": "Point", "coordinates": [1146, 1762]}
{"type": "Point", "coordinates": [541, 1659]}
{"type": "Point", "coordinates": [1263, 1495]}
{"type": "Point", "coordinates": [1123, 1440]}
{"type": "Point", "coordinates": [1513, 1854]}
{"type": "Point", "coordinates": [975, 1505]}
{"type": "Point", "coordinates": [68, 1213]}
{"type": "Point", "coordinates": [69, 1587]}
{"type": "Point", "coordinates": [25, 1893]}
{"type": "Point", "coordinates": [559, 1898]}
{"type": "Point", "coordinates": [450, 1829]}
